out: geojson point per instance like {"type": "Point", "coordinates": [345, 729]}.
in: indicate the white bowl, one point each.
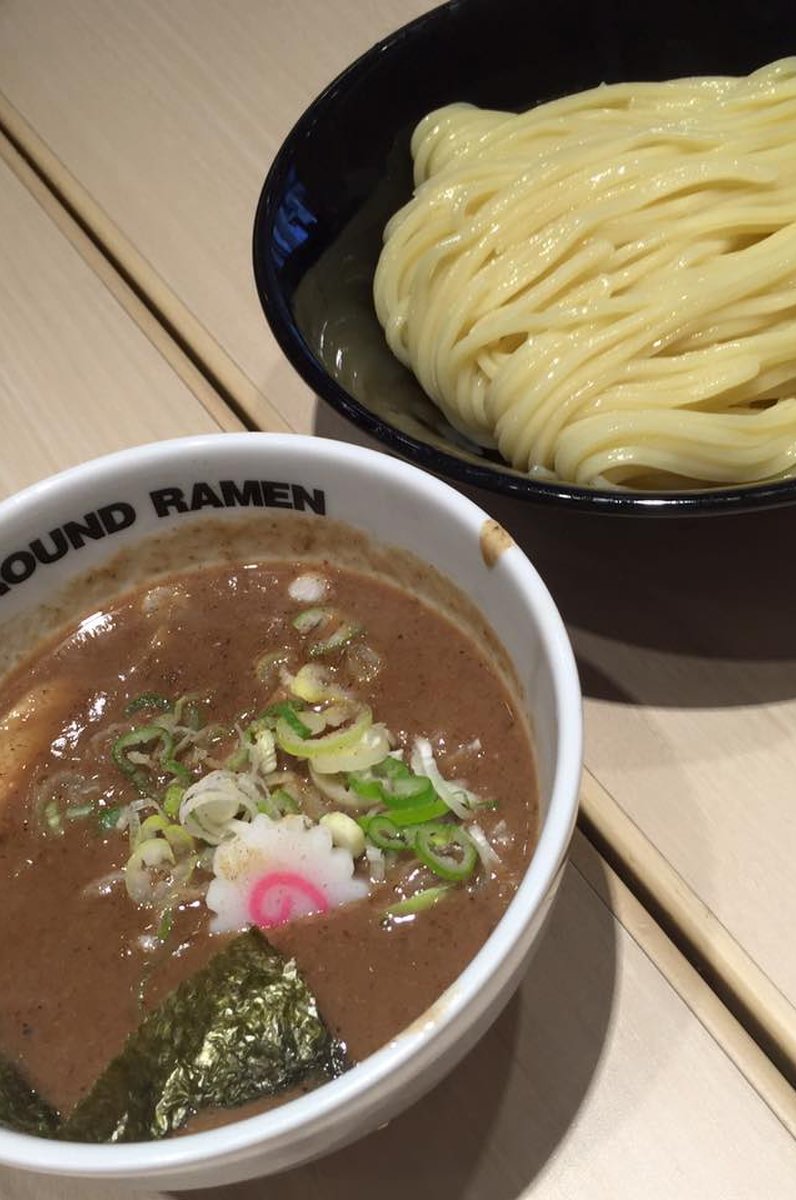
{"type": "Point", "coordinates": [397, 505]}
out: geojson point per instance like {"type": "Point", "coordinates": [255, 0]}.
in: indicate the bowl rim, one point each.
{"type": "Point", "coordinates": [474, 991]}
{"type": "Point", "coordinates": [572, 497]}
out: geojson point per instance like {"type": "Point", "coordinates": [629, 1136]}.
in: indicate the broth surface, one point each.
{"type": "Point", "coordinates": [82, 962]}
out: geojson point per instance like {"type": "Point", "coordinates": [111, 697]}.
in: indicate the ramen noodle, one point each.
{"type": "Point", "coordinates": [602, 288]}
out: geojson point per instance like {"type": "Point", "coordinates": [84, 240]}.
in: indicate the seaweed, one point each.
{"type": "Point", "coordinates": [22, 1109]}
{"type": "Point", "coordinates": [243, 1028]}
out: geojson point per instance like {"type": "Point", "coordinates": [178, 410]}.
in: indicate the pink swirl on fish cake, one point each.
{"type": "Point", "coordinates": [281, 896]}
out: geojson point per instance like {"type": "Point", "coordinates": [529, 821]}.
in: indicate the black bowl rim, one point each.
{"type": "Point", "coordinates": [698, 502]}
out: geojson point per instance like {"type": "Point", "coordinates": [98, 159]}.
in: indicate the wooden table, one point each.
{"type": "Point", "coordinates": [617, 1070]}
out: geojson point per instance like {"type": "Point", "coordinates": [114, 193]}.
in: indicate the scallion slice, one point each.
{"type": "Point", "coordinates": [147, 700]}
{"type": "Point", "coordinates": [315, 684]}
{"type": "Point", "coordinates": [419, 902]}
{"type": "Point", "coordinates": [301, 745]}
{"type": "Point", "coordinates": [459, 799]}
{"type": "Point", "coordinates": [384, 833]}
{"type": "Point", "coordinates": [342, 636]}
{"type": "Point", "coordinates": [178, 770]}
{"type": "Point", "coordinates": [278, 803]}
{"type": "Point", "coordinates": [446, 849]}
{"type": "Point", "coordinates": [141, 736]}
{"type": "Point", "coordinates": [418, 812]}
{"type": "Point", "coordinates": [172, 798]}
{"type": "Point", "coordinates": [410, 798]}
{"type": "Point", "coordinates": [286, 713]}
{"type": "Point", "coordinates": [310, 619]}
{"type": "Point", "coordinates": [333, 787]}
{"type": "Point", "coordinates": [268, 666]}
{"type": "Point", "coordinates": [165, 925]}
{"type": "Point", "coordinates": [108, 818]}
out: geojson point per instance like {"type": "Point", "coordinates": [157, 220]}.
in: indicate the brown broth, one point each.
{"type": "Point", "coordinates": [76, 976]}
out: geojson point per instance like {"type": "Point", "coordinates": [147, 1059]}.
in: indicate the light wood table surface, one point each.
{"type": "Point", "coordinates": [616, 1071]}
{"type": "Point", "coordinates": [684, 633]}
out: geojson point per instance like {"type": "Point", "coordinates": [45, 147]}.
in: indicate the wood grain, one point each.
{"type": "Point", "coordinates": [196, 96]}
{"type": "Point", "coordinates": [78, 377]}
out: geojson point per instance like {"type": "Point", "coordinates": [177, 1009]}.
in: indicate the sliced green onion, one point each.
{"type": "Point", "coordinates": [149, 855]}
{"type": "Point", "coordinates": [286, 714]}
{"type": "Point", "coordinates": [212, 802]}
{"type": "Point", "coordinates": [178, 770]}
{"type": "Point", "coordinates": [316, 685]}
{"type": "Point", "coordinates": [152, 700]}
{"type": "Point", "coordinates": [165, 925]}
{"type": "Point", "coordinates": [308, 588]}
{"type": "Point", "coordinates": [152, 825]}
{"type": "Point", "coordinates": [333, 787]}
{"type": "Point", "coordinates": [418, 812]}
{"type": "Point", "coordinates": [172, 798]}
{"type": "Point", "coordinates": [459, 799]}
{"type": "Point", "coordinates": [419, 902]}
{"type": "Point", "coordinates": [384, 834]}
{"type": "Point", "coordinates": [446, 849]}
{"type": "Point", "coordinates": [140, 737]}
{"type": "Point", "coordinates": [192, 716]}
{"type": "Point", "coordinates": [342, 636]}
{"type": "Point", "coordinates": [180, 840]}
{"type": "Point", "coordinates": [370, 748]}
{"type": "Point", "coordinates": [238, 759]}
{"type": "Point", "coordinates": [186, 710]}
{"type": "Point", "coordinates": [278, 803]}
{"type": "Point", "coordinates": [78, 812]}
{"type": "Point", "coordinates": [363, 663]}
{"type": "Point", "coordinates": [310, 619]}
{"type": "Point", "coordinates": [54, 823]}
{"type": "Point", "coordinates": [410, 798]}
{"type": "Point", "coordinates": [108, 818]}
{"type": "Point", "coordinates": [262, 754]}
{"type": "Point", "coordinates": [410, 790]}
{"type": "Point", "coordinates": [301, 745]}
{"type": "Point", "coordinates": [366, 786]}
{"type": "Point", "coordinates": [486, 851]}
{"type": "Point", "coordinates": [267, 667]}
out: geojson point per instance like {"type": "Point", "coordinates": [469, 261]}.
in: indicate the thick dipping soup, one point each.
{"type": "Point", "coordinates": [291, 746]}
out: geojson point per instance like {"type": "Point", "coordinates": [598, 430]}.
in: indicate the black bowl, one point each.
{"type": "Point", "coordinates": [345, 168]}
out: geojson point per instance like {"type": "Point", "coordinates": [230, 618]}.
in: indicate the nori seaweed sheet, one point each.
{"type": "Point", "coordinates": [21, 1109]}
{"type": "Point", "coordinates": [243, 1028]}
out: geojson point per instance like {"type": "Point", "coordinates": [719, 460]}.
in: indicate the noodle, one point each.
{"type": "Point", "coordinates": [604, 288]}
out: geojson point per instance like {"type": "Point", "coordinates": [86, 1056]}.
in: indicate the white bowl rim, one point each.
{"type": "Point", "coordinates": [393, 1062]}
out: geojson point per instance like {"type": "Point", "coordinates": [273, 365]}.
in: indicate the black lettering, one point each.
{"type": "Point", "coordinates": [59, 549]}
{"type": "Point", "coordinates": [203, 496]}
{"type": "Point", "coordinates": [18, 567]}
{"type": "Point", "coordinates": [116, 516]}
{"type": "Point", "coordinates": [166, 499]}
{"type": "Point", "coordinates": [249, 493]}
{"type": "Point", "coordinates": [302, 499]}
{"type": "Point", "coordinates": [90, 528]}
{"type": "Point", "coordinates": [276, 495]}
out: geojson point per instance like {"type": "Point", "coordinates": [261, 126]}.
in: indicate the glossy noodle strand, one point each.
{"type": "Point", "coordinates": [604, 288]}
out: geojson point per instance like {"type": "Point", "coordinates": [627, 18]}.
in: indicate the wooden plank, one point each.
{"type": "Point", "coordinates": [200, 96]}
{"type": "Point", "coordinates": [79, 377]}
